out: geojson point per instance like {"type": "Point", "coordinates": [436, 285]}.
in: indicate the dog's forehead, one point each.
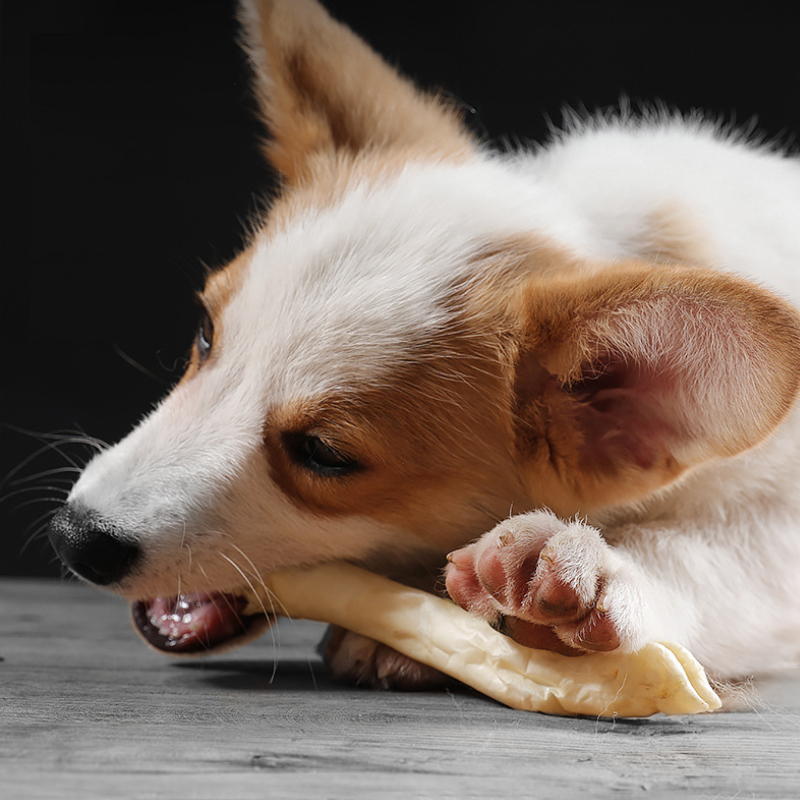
{"type": "Point", "coordinates": [336, 293]}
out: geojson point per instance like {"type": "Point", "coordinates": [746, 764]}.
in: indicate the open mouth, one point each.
{"type": "Point", "coordinates": [197, 622]}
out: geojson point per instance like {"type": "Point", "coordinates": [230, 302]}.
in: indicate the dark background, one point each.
{"type": "Point", "coordinates": [130, 162]}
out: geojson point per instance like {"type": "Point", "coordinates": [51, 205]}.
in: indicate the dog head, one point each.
{"type": "Point", "coordinates": [417, 341]}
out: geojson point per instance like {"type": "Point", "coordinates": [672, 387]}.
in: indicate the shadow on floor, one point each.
{"type": "Point", "coordinates": [248, 675]}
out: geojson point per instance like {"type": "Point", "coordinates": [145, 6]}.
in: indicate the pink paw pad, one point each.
{"type": "Point", "coordinates": [548, 585]}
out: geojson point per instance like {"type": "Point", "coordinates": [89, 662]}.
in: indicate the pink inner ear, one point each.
{"type": "Point", "coordinates": [625, 416]}
{"type": "Point", "coordinates": [650, 372]}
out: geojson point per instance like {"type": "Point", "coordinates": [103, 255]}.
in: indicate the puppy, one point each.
{"type": "Point", "coordinates": [425, 335]}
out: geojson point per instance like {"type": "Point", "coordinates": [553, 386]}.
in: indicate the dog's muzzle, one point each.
{"type": "Point", "coordinates": [97, 551]}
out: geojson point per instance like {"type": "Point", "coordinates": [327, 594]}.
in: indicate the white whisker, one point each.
{"type": "Point", "coordinates": [58, 500]}
{"type": "Point", "coordinates": [46, 474]}
{"type": "Point", "coordinates": [30, 489]}
{"type": "Point", "coordinates": [273, 598]}
{"type": "Point", "coordinates": [249, 583]}
{"type": "Point", "coordinates": [53, 443]}
{"type": "Point", "coordinates": [39, 529]}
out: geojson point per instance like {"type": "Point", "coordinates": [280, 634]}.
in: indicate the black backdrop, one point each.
{"type": "Point", "coordinates": [130, 161]}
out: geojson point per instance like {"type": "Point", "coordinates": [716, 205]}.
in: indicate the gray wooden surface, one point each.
{"type": "Point", "coordinates": [88, 711]}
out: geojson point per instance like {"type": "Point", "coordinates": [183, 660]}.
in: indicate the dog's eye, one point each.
{"type": "Point", "coordinates": [311, 453]}
{"type": "Point", "coordinates": [205, 337]}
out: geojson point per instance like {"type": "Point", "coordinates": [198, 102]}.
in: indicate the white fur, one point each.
{"type": "Point", "coordinates": [615, 174]}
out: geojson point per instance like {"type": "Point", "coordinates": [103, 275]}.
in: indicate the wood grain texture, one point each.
{"type": "Point", "coordinates": [86, 711]}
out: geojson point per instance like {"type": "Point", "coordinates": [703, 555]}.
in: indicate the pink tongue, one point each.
{"type": "Point", "coordinates": [190, 622]}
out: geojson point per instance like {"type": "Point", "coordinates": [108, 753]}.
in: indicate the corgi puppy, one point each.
{"type": "Point", "coordinates": [566, 377]}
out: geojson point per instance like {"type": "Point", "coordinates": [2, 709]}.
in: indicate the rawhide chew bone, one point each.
{"type": "Point", "coordinates": [661, 677]}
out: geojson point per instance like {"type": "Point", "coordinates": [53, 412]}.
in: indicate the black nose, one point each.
{"type": "Point", "coordinates": [90, 546]}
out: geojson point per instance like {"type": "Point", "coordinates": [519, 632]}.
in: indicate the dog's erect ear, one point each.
{"type": "Point", "coordinates": [627, 378]}
{"type": "Point", "coordinates": [321, 89]}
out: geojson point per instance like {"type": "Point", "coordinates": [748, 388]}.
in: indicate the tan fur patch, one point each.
{"type": "Point", "coordinates": [674, 238]}
{"type": "Point", "coordinates": [329, 92]}
{"type": "Point", "coordinates": [431, 439]}
{"type": "Point", "coordinates": [220, 287]}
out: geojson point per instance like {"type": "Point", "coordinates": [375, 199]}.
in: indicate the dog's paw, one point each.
{"type": "Point", "coordinates": [550, 585]}
{"type": "Point", "coordinates": [357, 659]}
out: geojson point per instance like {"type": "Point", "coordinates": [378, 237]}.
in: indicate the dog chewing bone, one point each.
{"type": "Point", "coordinates": [660, 677]}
